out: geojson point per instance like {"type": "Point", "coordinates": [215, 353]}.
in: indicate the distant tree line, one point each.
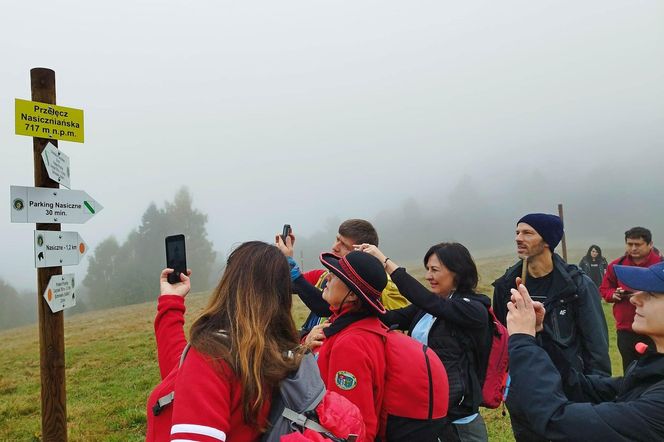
{"type": "Point", "coordinates": [16, 308]}
{"type": "Point", "coordinates": [127, 273]}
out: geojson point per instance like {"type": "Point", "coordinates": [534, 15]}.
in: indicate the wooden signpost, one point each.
{"type": "Point", "coordinates": [48, 206]}
{"type": "Point", "coordinates": [51, 325]}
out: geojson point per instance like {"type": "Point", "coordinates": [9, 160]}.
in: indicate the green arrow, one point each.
{"type": "Point", "coordinates": [46, 155]}
{"type": "Point", "coordinates": [87, 204]}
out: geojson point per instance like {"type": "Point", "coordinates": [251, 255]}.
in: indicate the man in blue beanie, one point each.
{"type": "Point", "coordinates": [574, 326]}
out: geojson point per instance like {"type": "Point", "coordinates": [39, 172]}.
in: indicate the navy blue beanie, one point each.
{"type": "Point", "coordinates": [549, 227]}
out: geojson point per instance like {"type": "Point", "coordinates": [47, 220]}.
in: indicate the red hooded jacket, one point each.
{"type": "Point", "coordinates": [208, 395]}
{"type": "Point", "coordinates": [352, 363]}
{"type": "Point", "coordinates": [623, 310]}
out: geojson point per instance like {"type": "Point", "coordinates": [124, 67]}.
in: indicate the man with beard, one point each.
{"type": "Point", "coordinates": [574, 322]}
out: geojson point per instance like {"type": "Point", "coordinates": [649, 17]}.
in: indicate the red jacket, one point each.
{"type": "Point", "coordinates": [352, 363]}
{"type": "Point", "coordinates": [208, 395]}
{"type": "Point", "coordinates": [313, 276]}
{"type": "Point", "coordinates": [623, 310]}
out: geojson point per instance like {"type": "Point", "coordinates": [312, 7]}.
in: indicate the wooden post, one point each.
{"type": "Point", "coordinates": [51, 325]}
{"type": "Point", "coordinates": [560, 213]}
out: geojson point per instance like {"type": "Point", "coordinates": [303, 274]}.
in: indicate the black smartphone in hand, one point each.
{"type": "Point", "coordinates": [176, 257]}
{"type": "Point", "coordinates": [285, 232]}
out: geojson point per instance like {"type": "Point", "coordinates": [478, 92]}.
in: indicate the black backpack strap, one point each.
{"type": "Point", "coordinates": [162, 403]}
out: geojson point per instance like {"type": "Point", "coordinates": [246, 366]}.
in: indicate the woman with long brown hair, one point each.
{"type": "Point", "coordinates": [240, 351]}
{"type": "Point", "coordinates": [594, 264]}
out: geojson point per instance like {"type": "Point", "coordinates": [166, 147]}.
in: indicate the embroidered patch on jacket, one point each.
{"type": "Point", "coordinates": [345, 380]}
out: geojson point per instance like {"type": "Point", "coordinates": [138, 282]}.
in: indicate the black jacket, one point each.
{"type": "Point", "coordinates": [586, 265]}
{"type": "Point", "coordinates": [459, 336]}
{"type": "Point", "coordinates": [574, 318]}
{"type": "Point", "coordinates": [312, 296]}
{"type": "Point", "coordinates": [584, 408]}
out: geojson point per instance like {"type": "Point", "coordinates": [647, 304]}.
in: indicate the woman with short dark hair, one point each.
{"type": "Point", "coordinates": [453, 321]}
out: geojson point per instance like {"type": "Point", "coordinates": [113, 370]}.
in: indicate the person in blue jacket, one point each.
{"type": "Point", "coordinates": [561, 403]}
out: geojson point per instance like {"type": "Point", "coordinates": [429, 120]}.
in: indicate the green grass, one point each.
{"type": "Point", "coordinates": [111, 367]}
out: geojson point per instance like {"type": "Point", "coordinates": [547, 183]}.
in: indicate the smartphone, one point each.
{"type": "Point", "coordinates": [176, 257]}
{"type": "Point", "coordinates": [625, 293]}
{"type": "Point", "coordinates": [285, 232]}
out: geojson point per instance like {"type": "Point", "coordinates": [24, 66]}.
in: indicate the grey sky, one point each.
{"type": "Point", "coordinates": [303, 112]}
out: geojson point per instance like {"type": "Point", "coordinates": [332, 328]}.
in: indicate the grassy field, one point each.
{"type": "Point", "coordinates": [111, 368]}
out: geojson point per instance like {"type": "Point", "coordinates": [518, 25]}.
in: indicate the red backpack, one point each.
{"type": "Point", "coordinates": [494, 377]}
{"type": "Point", "coordinates": [301, 409]}
{"type": "Point", "coordinates": [416, 391]}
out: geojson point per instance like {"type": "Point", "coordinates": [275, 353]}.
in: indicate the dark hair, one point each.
{"type": "Point", "coordinates": [457, 259]}
{"type": "Point", "coordinates": [639, 233]}
{"type": "Point", "coordinates": [599, 251]}
{"type": "Point", "coordinates": [248, 323]}
{"type": "Point", "coordinates": [360, 231]}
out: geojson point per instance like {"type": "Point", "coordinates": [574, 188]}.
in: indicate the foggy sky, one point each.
{"type": "Point", "coordinates": [465, 114]}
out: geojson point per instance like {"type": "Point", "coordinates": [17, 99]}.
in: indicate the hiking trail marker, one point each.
{"type": "Point", "coordinates": [57, 165]}
{"type": "Point", "coordinates": [59, 293]}
{"type": "Point", "coordinates": [53, 248]}
{"type": "Point", "coordinates": [48, 121]}
{"type": "Point", "coordinates": [49, 205]}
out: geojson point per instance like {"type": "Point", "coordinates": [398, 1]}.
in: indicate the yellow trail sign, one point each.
{"type": "Point", "coordinates": [49, 121]}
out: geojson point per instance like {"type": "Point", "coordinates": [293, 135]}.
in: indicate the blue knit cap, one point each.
{"type": "Point", "coordinates": [549, 227]}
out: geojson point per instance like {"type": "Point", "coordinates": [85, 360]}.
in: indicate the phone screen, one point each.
{"type": "Point", "coordinates": [176, 257]}
{"type": "Point", "coordinates": [286, 231]}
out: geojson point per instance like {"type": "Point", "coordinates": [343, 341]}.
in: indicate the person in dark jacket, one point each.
{"type": "Point", "coordinates": [453, 321]}
{"type": "Point", "coordinates": [594, 264]}
{"type": "Point", "coordinates": [560, 403]}
{"type": "Point", "coordinates": [575, 325]}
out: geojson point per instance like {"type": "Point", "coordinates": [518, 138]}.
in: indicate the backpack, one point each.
{"type": "Point", "coordinates": [302, 405]}
{"type": "Point", "coordinates": [416, 395]}
{"type": "Point", "coordinates": [493, 375]}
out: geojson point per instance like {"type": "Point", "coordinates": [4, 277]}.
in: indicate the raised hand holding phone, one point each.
{"type": "Point", "coordinates": [282, 242]}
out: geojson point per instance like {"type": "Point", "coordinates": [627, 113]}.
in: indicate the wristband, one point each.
{"type": "Point", "coordinates": [385, 261]}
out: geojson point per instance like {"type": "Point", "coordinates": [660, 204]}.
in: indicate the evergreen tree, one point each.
{"type": "Point", "coordinates": [102, 274]}
{"type": "Point", "coordinates": [181, 217]}
{"type": "Point", "coordinates": [127, 273]}
{"type": "Point", "coordinates": [15, 308]}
